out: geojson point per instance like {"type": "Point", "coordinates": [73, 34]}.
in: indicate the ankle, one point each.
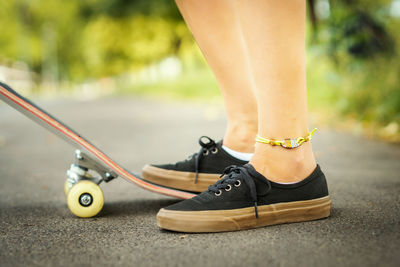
{"type": "Point", "coordinates": [240, 139]}
{"type": "Point", "coordinates": [283, 165]}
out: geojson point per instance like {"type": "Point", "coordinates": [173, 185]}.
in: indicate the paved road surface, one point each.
{"type": "Point", "coordinates": [37, 229]}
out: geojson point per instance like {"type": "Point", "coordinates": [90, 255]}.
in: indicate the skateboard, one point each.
{"type": "Point", "coordinates": [91, 167]}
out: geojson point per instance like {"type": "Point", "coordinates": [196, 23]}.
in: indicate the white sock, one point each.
{"type": "Point", "coordinates": [237, 154]}
{"type": "Point", "coordinates": [286, 183]}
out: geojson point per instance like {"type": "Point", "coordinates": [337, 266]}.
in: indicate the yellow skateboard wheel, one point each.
{"type": "Point", "coordinates": [85, 199]}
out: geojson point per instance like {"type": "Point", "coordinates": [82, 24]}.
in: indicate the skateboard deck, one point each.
{"type": "Point", "coordinates": [88, 156]}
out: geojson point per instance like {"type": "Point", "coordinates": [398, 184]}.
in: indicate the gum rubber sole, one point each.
{"type": "Point", "coordinates": [179, 180]}
{"type": "Point", "coordinates": [239, 219]}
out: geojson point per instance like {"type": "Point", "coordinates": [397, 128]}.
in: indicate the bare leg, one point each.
{"type": "Point", "coordinates": [215, 28]}
{"type": "Point", "coordinates": [274, 34]}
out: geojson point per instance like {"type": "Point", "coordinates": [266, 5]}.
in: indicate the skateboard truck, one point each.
{"type": "Point", "coordinates": [83, 164]}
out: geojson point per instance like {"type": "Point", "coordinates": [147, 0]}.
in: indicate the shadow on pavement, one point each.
{"type": "Point", "coordinates": [135, 207]}
{"type": "Point", "coordinates": [110, 209]}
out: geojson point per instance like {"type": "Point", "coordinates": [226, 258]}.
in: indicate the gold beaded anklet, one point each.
{"type": "Point", "coordinates": [287, 143]}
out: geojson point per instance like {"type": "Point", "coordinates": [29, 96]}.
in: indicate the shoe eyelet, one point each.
{"type": "Point", "coordinates": [238, 183]}
{"type": "Point", "coordinates": [219, 193]}
{"type": "Point", "coordinates": [205, 153]}
{"type": "Point", "coordinates": [214, 150]}
{"type": "Point", "coordinates": [229, 188]}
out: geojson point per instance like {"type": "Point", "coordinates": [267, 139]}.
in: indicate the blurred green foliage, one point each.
{"type": "Point", "coordinates": [353, 46]}
{"type": "Point", "coordinates": [92, 38]}
{"type": "Point", "coordinates": [354, 65]}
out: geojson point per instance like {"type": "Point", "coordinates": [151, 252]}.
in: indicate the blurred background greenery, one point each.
{"type": "Point", "coordinates": [97, 48]}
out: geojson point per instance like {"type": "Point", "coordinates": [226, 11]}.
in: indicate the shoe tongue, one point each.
{"type": "Point", "coordinates": [259, 179]}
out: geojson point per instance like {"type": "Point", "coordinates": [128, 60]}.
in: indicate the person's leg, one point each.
{"type": "Point", "coordinates": [215, 28]}
{"type": "Point", "coordinates": [274, 34]}
{"type": "Point", "coordinates": [255, 195]}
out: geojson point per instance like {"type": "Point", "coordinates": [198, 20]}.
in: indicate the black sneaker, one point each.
{"type": "Point", "coordinates": [245, 199]}
{"type": "Point", "coordinates": [195, 173]}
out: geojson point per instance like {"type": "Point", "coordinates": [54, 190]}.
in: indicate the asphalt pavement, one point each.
{"type": "Point", "coordinates": [37, 229]}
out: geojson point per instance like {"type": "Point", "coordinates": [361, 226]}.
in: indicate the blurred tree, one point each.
{"type": "Point", "coordinates": [361, 41]}
{"type": "Point", "coordinates": [93, 38]}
